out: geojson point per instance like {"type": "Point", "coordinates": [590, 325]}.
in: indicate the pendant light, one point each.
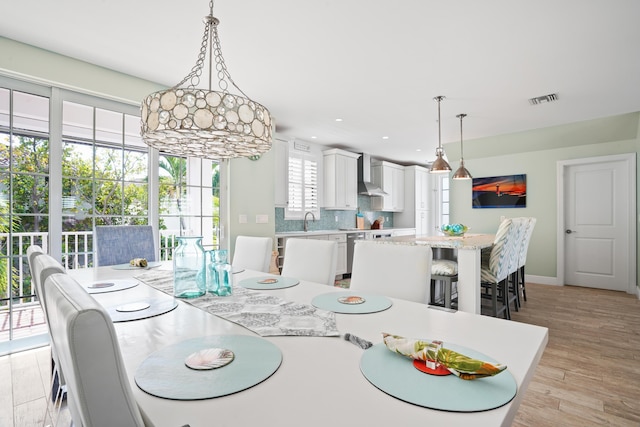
{"type": "Point", "coordinates": [440, 165]}
{"type": "Point", "coordinates": [462, 172]}
{"type": "Point", "coordinates": [211, 124]}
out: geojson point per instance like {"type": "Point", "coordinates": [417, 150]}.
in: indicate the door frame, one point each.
{"type": "Point", "coordinates": [561, 168]}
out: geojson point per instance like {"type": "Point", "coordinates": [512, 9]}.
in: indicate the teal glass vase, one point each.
{"type": "Point", "coordinates": [212, 282]}
{"type": "Point", "coordinates": [189, 274]}
{"type": "Point", "coordinates": [220, 274]}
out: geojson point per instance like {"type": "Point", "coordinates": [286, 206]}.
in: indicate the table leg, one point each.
{"type": "Point", "coordinates": [469, 281]}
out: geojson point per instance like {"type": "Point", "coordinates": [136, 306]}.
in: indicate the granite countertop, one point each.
{"type": "Point", "coordinates": [468, 241]}
{"type": "Point", "coordinates": [337, 231]}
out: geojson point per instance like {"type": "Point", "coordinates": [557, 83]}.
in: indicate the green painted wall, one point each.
{"type": "Point", "coordinates": [251, 193]}
{"type": "Point", "coordinates": [21, 60]}
{"type": "Point", "coordinates": [535, 153]}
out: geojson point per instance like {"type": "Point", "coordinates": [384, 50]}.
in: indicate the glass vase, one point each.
{"type": "Point", "coordinates": [189, 274]}
{"type": "Point", "coordinates": [221, 274]}
{"type": "Point", "coordinates": [212, 283]}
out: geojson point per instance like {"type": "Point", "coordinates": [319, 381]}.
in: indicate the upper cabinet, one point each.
{"type": "Point", "coordinates": [422, 189]}
{"type": "Point", "coordinates": [389, 177]}
{"type": "Point", "coordinates": [417, 209]}
{"type": "Point", "coordinates": [340, 180]}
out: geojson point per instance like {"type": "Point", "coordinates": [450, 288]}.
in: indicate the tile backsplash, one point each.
{"type": "Point", "coordinates": [327, 220]}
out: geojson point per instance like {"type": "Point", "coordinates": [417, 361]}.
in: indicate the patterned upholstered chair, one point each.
{"type": "Point", "coordinates": [396, 271]}
{"type": "Point", "coordinates": [519, 231]}
{"type": "Point", "coordinates": [118, 244]}
{"type": "Point", "coordinates": [494, 272]}
{"type": "Point", "coordinates": [312, 260]}
{"type": "Point", "coordinates": [253, 253]}
{"type": "Point", "coordinates": [522, 258]}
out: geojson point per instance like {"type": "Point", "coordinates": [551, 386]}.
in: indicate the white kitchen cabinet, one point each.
{"type": "Point", "coordinates": [341, 239]}
{"type": "Point", "coordinates": [422, 222]}
{"type": "Point", "coordinates": [403, 232]}
{"type": "Point", "coordinates": [422, 189]}
{"type": "Point", "coordinates": [281, 152]}
{"type": "Point", "coordinates": [418, 211]}
{"type": "Point", "coordinates": [389, 177]}
{"type": "Point", "coordinates": [340, 180]}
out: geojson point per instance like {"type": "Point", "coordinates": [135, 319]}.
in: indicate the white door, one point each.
{"type": "Point", "coordinates": [598, 215]}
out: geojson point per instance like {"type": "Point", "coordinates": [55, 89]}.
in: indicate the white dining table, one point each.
{"type": "Point", "coordinates": [469, 247]}
{"type": "Point", "coordinates": [319, 382]}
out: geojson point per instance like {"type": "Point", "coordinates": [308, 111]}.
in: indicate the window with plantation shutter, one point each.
{"type": "Point", "coordinates": [303, 186]}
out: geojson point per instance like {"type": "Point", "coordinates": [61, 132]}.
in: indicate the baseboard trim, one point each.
{"type": "Point", "coordinates": [543, 280]}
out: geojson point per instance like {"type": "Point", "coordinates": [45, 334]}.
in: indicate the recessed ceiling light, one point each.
{"type": "Point", "coordinates": [338, 120]}
{"type": "Point", "coordinates": [418, 149]}
{"type": "Point", "coordinates": [314, 137]}
{"type": "Point", "coordinates": [385, 137]}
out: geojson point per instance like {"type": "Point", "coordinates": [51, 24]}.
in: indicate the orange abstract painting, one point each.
{"type": "Point", "coordinates": [508, 191]}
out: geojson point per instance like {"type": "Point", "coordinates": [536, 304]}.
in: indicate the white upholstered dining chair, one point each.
{"type": "Point", "coordinates": [312, 260]}
{"type": "Point", "coordinates": [396, 271]}
{"type": "Point", "coordinates": [32, 252]}
{"type": "Point", "coordinates": [98, 390]}
{"type": "Point", "coordinates": [253, 253]}
{"type": "Point", "coordinates": [118, 244]}
{"type": "Point", "coordinates": [42, 266]}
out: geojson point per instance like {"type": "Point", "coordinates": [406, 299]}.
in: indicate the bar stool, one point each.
{"type": "Point", "coordinates": [445, 271]}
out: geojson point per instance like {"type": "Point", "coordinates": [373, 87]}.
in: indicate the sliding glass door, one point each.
{"type": "Point", "coordinates": [24, 205]}
{"type": "Point", "coordinates": [70, 162]}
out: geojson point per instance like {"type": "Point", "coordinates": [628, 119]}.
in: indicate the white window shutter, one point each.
{"type": "Point", "coordinates": [303, 186]}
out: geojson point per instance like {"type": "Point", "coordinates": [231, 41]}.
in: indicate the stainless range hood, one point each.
{"type": "Point", "coordinates": [365, 186]}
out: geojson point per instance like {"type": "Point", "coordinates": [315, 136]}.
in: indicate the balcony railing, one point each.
{"type": "Point", "coordinates": [20, 313]}
{"type": "Point", "coordinates": [77, 252]}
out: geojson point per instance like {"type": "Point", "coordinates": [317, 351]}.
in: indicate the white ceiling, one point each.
{"type": "Point", "coordinates": [375, 64]}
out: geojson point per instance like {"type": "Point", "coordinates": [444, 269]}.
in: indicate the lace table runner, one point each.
{"type": "Point", "coordinates": [261, 313]}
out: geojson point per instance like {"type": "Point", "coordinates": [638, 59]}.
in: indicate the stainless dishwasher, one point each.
{"type": "Point", "coordinates": [351, 243]}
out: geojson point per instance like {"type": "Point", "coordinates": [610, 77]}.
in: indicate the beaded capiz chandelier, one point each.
{"type": "Point", "coordinates": [211, 124]}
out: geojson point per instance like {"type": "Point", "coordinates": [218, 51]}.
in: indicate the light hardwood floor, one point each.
{"type": "Point", "coordinates": [589, 374]}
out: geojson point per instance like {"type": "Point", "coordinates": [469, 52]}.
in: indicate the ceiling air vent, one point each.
{"type": "Point", "coordinates": [544, 98]}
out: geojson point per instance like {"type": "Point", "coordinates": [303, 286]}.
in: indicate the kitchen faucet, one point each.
{"type": "Point", "coordinates": [306, 226]}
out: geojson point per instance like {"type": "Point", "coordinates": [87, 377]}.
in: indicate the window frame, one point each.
{"type": "Point", "coordinates": [308, 186]}
{"type": "Point", "coordinates": [443, 198]}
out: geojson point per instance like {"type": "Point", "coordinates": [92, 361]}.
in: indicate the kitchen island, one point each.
{"type": "Point", "coordinates": [345, 238]}
{"type": "Point", "coordinates": [469, 247]}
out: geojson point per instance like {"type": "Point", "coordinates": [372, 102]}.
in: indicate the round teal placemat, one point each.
{"type": "Point", "coordinates": [112, 285]}
{"type": "Point", "coordinates": [127, 266]}
{"type": "Point", "coordinates": [282, 282]}
{"type": "Point", "coordinates": [395, 375]}
{"type": "Point", "coordinates": [372, 304]}
{"type": "Point", "coordinates": [164, 373]}
{"type": "Point", "coordinates": [156, 307]}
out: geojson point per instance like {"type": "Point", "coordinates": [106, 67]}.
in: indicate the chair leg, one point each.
{"type": "Point", "coordinates": [432, 294]}
{"type": "Point", "coordinates": [447, 293]}
{"type": "Point", "coordinates": [524, 291]}
{"type": "Point", "coordinates": [504, 285]}
{"type": "Point", "coordinates": [513, 284]}
{"type": "Point", "coordinates": [494, 299]}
